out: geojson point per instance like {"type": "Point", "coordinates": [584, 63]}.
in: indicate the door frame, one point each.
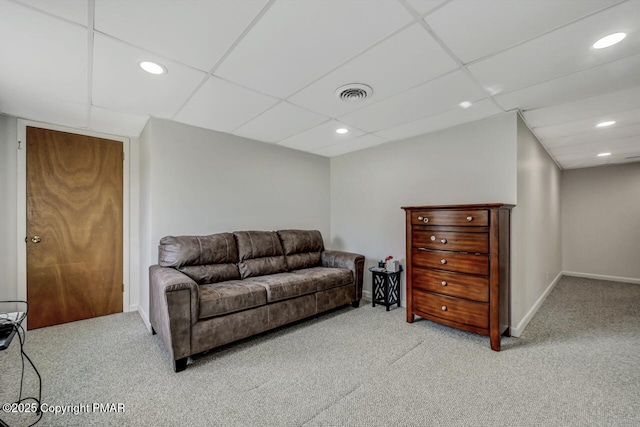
{"type": "Point", "coordinates": [21, 206]}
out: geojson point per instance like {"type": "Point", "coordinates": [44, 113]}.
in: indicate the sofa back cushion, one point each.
{"type": "Point", "coordinates": [205, 259]}
{"type": "Point", "coordinates": [302, 248]}
{"type": "Point", "coordinates": [260, 253]}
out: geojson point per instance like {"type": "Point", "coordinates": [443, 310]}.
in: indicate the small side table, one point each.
{"type": "Point", "coordinates": [385, 289]}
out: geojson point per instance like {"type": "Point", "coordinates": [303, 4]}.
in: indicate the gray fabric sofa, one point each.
{"type": "Point", "coordinates": [207, 291]}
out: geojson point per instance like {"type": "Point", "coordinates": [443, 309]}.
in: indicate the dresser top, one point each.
{"type": "Point", "coordinates": [460, 207]}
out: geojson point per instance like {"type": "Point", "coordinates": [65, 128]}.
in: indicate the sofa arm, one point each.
{"type": "Point", "coordinates": [173, 306]}
{"type": "Point", "coordinates": [354, 262]}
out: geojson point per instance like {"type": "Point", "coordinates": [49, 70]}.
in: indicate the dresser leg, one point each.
{"type": "Point", "coordinates": [494, 337]}
{"type": "Point", "coordinates": [410, 316]}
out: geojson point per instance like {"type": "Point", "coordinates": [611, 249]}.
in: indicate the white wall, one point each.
{"type": "Point", "coordinates": [197, 181]}
{"type": "Point", "coordinates": [8, 200]}
{"type": "Point", "coordinates": [471, 163]}
{"type": "Point", "coordinates": [601, 221]}
{"type": "Point", "coordinates": [535, 230]}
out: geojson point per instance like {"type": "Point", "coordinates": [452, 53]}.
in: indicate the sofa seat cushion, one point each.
{"type": "Point", "coordinates": [325, 277]}
{"type": "Point", "coordinates": [217, 299]}
{"type": "Point", "coordinates": [283, 286]}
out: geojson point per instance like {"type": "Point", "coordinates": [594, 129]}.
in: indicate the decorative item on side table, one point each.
{"type": "Point", "coordinates": [385, 286]}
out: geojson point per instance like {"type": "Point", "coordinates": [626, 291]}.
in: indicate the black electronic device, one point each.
{"type": "Point", "coordinates": [9, 324]}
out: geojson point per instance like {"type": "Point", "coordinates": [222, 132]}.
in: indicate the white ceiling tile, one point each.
{"type": "Point", "coordinates": [597, 135]}
{"type": "Point", "coordinates": [622, 151]}
{"type": "Point", "coordinates": [120, 84]}
{"type": "Point", "coordinates": [280, 122]}
{"type": "Point", "coordinates": [223, 106]}
{"type": "Point", "coordinates": [612, 76]}
{"type": "Point", "coordinates": [560, 52]}
{"type": "Point", "coordinates": [320, 136]}
{"type": "Point", "coordinates": [425, 6]}
{"type": "Point", "coordinates": [116, 122]}
{"type": "Point", "coordinates": [296, 42]}
{"type": "Point", "coordinates": [43, 109]}
{"type": "Point", "coordinates": [618, 147]}
{"type": "Point", "coordinates": [195, 33]}
{"type": "Point", "coordinates": [459, 115]}
{"type": "Point", "coordinates": [597, 108]}
{"type": "Point", "coordinates": [349, 146]}
{"type": "Point", "coordinates": [474, 29]}
{"type": "Point", "coordinates": [579, 128]}
{"type": "Point", "coordinates": [589, 162]}
{"type": "Point", "coordinates": [402, 61]}
{"type": "Point", "coordinates": [439, 95]}
{"type": "Point", "coordinates": [42, 55]}
{"type": "Point", "coordinates": [73, 10]}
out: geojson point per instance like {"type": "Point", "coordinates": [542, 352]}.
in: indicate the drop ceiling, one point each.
{"type": "Point", "coordinates": [268, 70]}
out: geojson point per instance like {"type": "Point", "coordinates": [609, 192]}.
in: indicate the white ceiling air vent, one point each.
{"type": "Point", "coordinates": [354, 92]}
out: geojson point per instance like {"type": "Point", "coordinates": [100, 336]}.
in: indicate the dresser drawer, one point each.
{"type": "Point", "coordinates": [451, 241]}
{"type": "Point", "coordinates": [453, 284]}
{"type": "Point", "coordinates": [454, 309]}
{"type": "Point", "coordinates": [445, 217]}
{"type": "Point", "coordinates": [451, 261]}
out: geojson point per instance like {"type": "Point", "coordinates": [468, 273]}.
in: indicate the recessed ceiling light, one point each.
{"type": "Point", "coordinates": [342, 130]}
{"type": "Point", "coordinates": [609, 40]}
{"type": "Point", "coordinates": [152, 67]}
{"type": "Point", "coordinates": [605, 124]}
{"type": "Point", "coordinates": [604, 154]}
{"type": "Point", "coordinates": [465, 104]}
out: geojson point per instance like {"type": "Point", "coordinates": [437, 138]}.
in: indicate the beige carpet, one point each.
{"type": "Point", "coordinates": [577, 364]}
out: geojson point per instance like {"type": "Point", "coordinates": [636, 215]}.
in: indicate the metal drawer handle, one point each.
{"type": "Point", "coordinates": [420, 218]}
{"type": "Point", "coordinates": [444, 283]}
{"type": "Point", "coordinates": [443, 241]}
{"type": "Point", "coordinates": [433, 238]}
{"type": "Point", "coordinates": [469, 218]}
{"type": "Point", "coordinates": [444, 308]}
{"type": "Point", "coordinates": [443, 261]}
{"type": "Point", "coordinates": [425, 220]}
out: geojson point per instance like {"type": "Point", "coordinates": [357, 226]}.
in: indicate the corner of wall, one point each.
{"type": "Point", "coordinates": [8, 194]}
{"type": "Point", "coordinates": [536, 228]}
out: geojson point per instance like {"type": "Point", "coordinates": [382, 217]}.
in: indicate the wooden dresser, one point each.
{"type": "Point", "coordinates": [458, 267]}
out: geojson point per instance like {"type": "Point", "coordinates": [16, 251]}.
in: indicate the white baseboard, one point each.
{"type": "Point", "coordinates": [602, 277]}
{"type": "Point", "coordinates": [145, 318]}
{"type": "Point", "coordinates": [517, 330]}
{"type": "Point", "coordinates": [133, 307]}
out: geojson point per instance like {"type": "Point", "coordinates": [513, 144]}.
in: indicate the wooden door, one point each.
{"type": "Point", "coordinates": [74, 227]}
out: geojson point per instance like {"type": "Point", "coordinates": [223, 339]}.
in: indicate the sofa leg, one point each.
{"type": "Point", "coordinates": [355, 304]}
{"type": "Point", "coordinates": [180, 365]}
{"type": "Point", "coordinates": [153, 331]}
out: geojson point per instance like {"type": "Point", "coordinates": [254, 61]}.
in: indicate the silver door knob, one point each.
{"type": "Point", "coordinates": [36, 239]}
{"type": "Point", "coordinates": [443, 261]}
